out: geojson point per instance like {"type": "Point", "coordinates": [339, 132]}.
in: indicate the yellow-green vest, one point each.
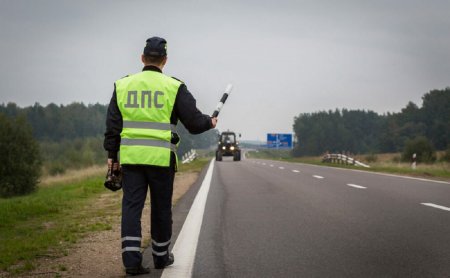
{"type": "Point", "coordinates": [146, 101]}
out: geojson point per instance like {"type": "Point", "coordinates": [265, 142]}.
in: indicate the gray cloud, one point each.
{"type": "Point", "coordinates": [284, 57]}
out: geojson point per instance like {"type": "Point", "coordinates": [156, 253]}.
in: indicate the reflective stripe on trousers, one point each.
{"type": "Point", "coordinates": [160, 248]}
{"type": "Point", "coordinates": [131, 244]}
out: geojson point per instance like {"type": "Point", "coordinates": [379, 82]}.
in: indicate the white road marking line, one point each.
{"type": "Point", "coordinates": [318, 177]}
{"type": "Point", "coordinates": [281, 168]}
{"type": "Point", "coordinates": [436, 206]}
{"type": "Point", "coordinates": [264, 164]}
{"type": "Point", "coordinates": [356, 186]}
{"type": "Point", "coordinates": [186, 245]}
{"type": "Point", "coordinates": [296, 171]}
{"type": "Point", "coordinates": [271, 165]}
{"type": "Point", "coordinates": [374, 173]}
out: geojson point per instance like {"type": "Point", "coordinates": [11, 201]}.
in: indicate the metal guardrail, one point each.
{"type": "Point", "coordinates": [342, 159]}
{"type": "Point", "coordinates": [189, 157]}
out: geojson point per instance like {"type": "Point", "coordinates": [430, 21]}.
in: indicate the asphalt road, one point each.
{"type": "Point", "coordinates": [273, 219]}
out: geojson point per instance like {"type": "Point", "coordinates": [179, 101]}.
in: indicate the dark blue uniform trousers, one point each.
{"type": "Point", "coordinates": [136, 181]}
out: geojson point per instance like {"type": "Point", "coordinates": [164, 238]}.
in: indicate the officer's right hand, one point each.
{"type": "Point", "coordinates": [213, 122]}
{"type": "Point", "coordinates": [114, 165]}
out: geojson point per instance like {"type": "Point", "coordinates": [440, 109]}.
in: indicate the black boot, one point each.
{"type": "Point", "coordinates": [137, 270]}
{"type": "Point", "coordinates": [169, 261]}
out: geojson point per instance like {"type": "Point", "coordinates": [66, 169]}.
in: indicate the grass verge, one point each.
{"type": "Point", "coordinates": [195, 166]}
{"type": "Point", "coordinates": [46, 222]}
{"type": "Point", "coordinates": [49, 221]}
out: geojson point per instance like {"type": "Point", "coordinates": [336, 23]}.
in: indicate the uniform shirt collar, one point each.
{"type": "Point", "coordinates": [152, 68]}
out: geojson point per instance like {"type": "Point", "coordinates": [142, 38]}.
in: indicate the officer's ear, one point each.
{"type": "Point", "coordinates": [143, 59]}
{"type": "Point", "coordinates": [164, 61]}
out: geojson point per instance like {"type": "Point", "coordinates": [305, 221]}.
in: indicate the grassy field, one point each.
{"type": "Point", "coordinates": [49, 221]}
{"type": "Point", "coordinates": [46, 222]}
{"type": "Point", "coordinates": [385, 163]}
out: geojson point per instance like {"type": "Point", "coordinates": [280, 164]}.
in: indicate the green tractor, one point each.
{"type": "Point", "coordinates": [228, 146]}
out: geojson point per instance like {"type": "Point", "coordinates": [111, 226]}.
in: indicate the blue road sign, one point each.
{"type": "Point", "coordinates": [279, 140]}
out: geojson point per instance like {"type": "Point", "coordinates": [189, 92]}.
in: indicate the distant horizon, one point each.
{"type": "Point", "coordinates": [252, 141]}
{"type": "Point", "coordinates": [321, 110]}
{"type": "Point", "coordinates": [283, 57]}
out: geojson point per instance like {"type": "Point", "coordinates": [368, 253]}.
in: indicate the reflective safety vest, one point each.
{"type": "Point", "coordinates": [146, 101]}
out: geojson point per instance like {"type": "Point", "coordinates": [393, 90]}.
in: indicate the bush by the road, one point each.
{"type": "Point", "coordinates": [20, 163]}
{"type": "Point", "coordinates": [77, 153]}
{"type": "Point", "coordinates": [423, 149]}
{"type": "Point", "coordinates": [446, 156]}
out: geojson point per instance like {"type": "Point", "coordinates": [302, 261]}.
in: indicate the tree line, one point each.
{"type": "Point", "coordinates": [57, 123]}
{"type": "Point", "coordinates": [53, 123]}
{"type": "Point", "coordinates": [361, 131]}
{"type": "Point", "coordinates": [61, 137]}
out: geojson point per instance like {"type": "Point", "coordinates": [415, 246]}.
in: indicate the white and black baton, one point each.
{"type": "Point", "coordinates": [222, 100]}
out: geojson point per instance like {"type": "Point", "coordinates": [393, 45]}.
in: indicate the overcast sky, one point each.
{"type": "Point", "coordinates": [283, 57]}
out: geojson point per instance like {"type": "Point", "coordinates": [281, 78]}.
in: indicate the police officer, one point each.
{"type": "Point", "coordinates": [140, 125]}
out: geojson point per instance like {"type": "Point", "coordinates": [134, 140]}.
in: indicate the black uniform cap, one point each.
{"type": "Point", "coordinates": [155, 47]}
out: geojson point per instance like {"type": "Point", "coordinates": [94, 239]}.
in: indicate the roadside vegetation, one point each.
{"type": "Point", "coordinates": [360, 131]}
{"type": "Point", "coordinates": [21, 161]}
{"type": "Point", "coordinates": [47, 222]}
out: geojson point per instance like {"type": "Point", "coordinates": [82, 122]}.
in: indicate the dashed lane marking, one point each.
{"type": "Point", "coordinates": [436, 206]}
{"type": "Point", "coordinates": [318, 177]}
{"type": "Point", "coordinates": [281, 167]}
{"type": "Point", "coordinates": [374, 173]}
{"type": "Point", "coordinates": [356, 186]}
{"type": "Point", "coordinates": [296, 171]}
{"type": "Point", "coordinates": [271, 165]}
